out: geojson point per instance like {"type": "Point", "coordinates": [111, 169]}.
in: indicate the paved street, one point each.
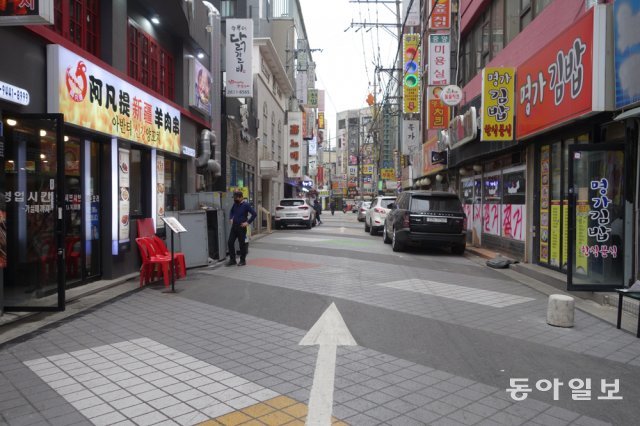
{"type": "Point", "coordinates": [437, 339]}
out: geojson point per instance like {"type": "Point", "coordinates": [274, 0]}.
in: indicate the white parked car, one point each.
{"type": "Point", "coordinates": [377, 212]}
{"type": "Point", "coordinates": [295, 211]}
{"type": "Point", "coordinates": [362, 210]}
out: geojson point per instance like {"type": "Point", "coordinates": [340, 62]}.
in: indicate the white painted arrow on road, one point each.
{"type": "Point", "coordinates": [328, 332]}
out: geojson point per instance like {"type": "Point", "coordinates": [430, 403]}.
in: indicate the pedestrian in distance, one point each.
{"type": "Point", "coordinates": [332, 207]}
{"type": "Point", "coordinates": [239, 222]}
{"type": "Point", "coordinates": [318, 208]}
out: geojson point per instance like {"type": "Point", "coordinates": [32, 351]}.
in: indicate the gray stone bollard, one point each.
{"type": "Point", "coordinates": [560, 310]}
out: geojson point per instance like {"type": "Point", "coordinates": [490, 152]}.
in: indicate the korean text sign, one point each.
{"type": "Point", "coordinates": [93, 98]}
{"type": "Point", "coordinates": [439, 59]}
{"type": "Point", "coordinates": [555, 84]}
{"type": "Point", "coordinates": [239, 46]}
{"type": "Point", "coordinates": [411, 93]}
{"type": "Point", "coordinates": [497, 104]}
{"type": "Point", "coordinates": [440, 15]}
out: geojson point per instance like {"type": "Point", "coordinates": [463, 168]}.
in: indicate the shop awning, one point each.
{"type": "Point", "coordinates": [633, 112]}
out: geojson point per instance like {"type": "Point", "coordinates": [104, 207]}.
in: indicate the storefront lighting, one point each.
{"type": "Point", "coordinates": [11, 122]}
{"type": "Point", "coordinates": [477, 168]}
{"type": "Point", "coordinates": [463, 171]}
{"type": "Point", "coordinates": [155, 20]}
{"type": "Point", "coordinates": [200, 55]}
{"type": "Point", "coordinates": [43, 133]}
{"type": "Point", "coordinates": [66, 138]}
{"type": "Point", "coordinates": [439, 178]}
{"type": "Point", "coordinates": [42, 156]}
{"type": "Point", "coordinates": [427, 181]}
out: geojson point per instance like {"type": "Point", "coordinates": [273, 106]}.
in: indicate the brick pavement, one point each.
{"type": "Point", "coordinates": [113, 363]}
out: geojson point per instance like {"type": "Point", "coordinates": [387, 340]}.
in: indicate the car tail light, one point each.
{"type": "Point", "coordinates": [405, 220]}
{"type": "Point", "coordinates": [303, 208]}
{"type": "Point", "coordinates": [378, 210]}
{"type": "Point", "coordinates": [362, 210]}
{"type": "Point", "coordinates": [279, 208]}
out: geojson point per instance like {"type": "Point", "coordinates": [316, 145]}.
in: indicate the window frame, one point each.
{"type": "Point", "coordinates": [148, 62]}
{"type": "Point", "coordinates": [87, 23]}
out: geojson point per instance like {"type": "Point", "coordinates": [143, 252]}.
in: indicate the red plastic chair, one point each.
{"type": "Point", "coordinates": [151, 259]}
{"type": "Point", "coordinates": [145, 227]}
{"type": "Point", "coordinates": [178, 257]}
{"type": "Point", "coordinates": [72, 257]}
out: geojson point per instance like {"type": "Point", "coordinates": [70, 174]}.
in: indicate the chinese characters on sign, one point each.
{"type": "Point", "coordinates": [93, 98]}
{"type": "Point", "coordinates": [599, 216]}
{"type": "Point", "coordinates": [239, 44]}
{"type": "Point", "coordinates": [497, 104]}
{"type": "Point", "coordinates": [555, 84]}
{"type": "Point", "coordinates": [294, 170]}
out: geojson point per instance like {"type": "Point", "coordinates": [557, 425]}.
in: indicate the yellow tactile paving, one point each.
{"type": "Point", "coordinates": [279, 411]}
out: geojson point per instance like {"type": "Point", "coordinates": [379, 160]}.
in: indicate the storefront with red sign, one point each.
{"type": "Point", "coordinates": [580, 161]}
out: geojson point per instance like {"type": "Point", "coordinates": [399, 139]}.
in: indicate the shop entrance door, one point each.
{"type": "Point", "coordinates": [33, 271]}
{"type": "Point", "coordinates": [596, 217]}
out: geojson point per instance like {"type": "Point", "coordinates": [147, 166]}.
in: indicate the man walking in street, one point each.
{"type": "Point", "coordinates": [318, 208]}
{"type": "Point", "coordinates": [239, 222]}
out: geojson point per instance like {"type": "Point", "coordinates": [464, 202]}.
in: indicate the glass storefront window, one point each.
{"type": "Point", "coordinates": [31, 276]}
{"type": "Point", "coordinates": [491, 209]}
{"type": "Point", "coordinates": [173, 184]}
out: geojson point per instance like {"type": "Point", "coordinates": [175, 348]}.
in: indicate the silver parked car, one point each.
{"type": "Point", "coordinates": [295, 211]}
{"type": "Point", "coordinates": [377, 212]}
{"type": "Point", "coordinates": [362, 210]}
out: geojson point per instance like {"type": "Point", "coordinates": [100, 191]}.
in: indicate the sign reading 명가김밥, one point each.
{"type": "Point", "coordinates": [239, 45]}
{"type": "Point", "coordinates": [497, 104]}
{"type": "Point", "coordinates": [93, 98]}
{"type": "Point", "coordinates": [555, 84]}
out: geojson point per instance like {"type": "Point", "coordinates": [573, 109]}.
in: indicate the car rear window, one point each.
{"type": "Point", "coordinates": [291, 203]}
{"type": "Point", "coordinates": [443, 204]}
{"type": "Point", "coordinates": [387, 202]}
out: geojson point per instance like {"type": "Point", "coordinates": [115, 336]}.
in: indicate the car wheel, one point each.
{"type": "Point", "coordinates": [458, 249]}
{"type": "Point", "coordinates": [372, 230]}
{"type": "Point", "coordinates": [310, 224]}
{"type": "Point", "coordinates": [385, 235]}
{"type": "Point", "coordinates": [367, 228]}
{"type": "Point", "coordinates": [395, 244]}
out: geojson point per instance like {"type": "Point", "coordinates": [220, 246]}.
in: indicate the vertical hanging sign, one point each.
{"type": "Point", "coordinates": [498, 92]}
{"type": "Point", "coordinates": [295, 141]}
{"type": "Point", "coordinates": [239, 45]}
{"type": "Point", "coordinates": [411, 74]}
{"type": "Point", "coordinates": [160, 201]}
{"type": "Point", "coordinates": [439, 59]}
{"type": "Point", "coordinates": [440, 15]}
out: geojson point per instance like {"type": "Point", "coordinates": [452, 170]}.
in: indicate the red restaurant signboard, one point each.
{"type": "Point", "coordinates": [555, 84]}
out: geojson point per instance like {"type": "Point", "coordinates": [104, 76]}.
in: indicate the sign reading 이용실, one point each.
{"type": "Point", "coordinates": [93, 98]}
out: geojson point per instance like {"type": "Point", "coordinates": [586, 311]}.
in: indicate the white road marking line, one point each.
{"type": "Point", "coordinates": [328, 332]}
{"type": "Point", "coordinates": [457, 292]}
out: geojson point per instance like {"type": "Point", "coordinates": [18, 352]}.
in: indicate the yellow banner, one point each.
{"type": "Point", "coordinates": [411, 80]}
{"type": "Point", "coordinates": [582, 238]}
{"type": "Point", "coordinates": [498, 94]}
{"type": "Point", "coordinates": [93, 98]}
{"type": "Point", "coordinates": [554, 252]}
{"type": "Point", "coordinates": [388, 174]}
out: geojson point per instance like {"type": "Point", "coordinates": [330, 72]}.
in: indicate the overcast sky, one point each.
{"type": "Point", "coordinates": [345, 67]}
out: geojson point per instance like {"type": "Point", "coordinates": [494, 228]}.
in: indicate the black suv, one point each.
{"type": "Point", "coordinates": [426, 217]}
